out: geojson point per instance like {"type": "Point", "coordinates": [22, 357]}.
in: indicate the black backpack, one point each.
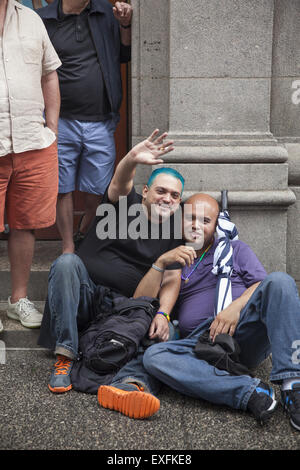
{"type": "Point", "coordinates": [110, 341]}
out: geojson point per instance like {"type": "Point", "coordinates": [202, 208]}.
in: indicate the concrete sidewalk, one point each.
{"type": "Point", "coordinates": [33, 418]}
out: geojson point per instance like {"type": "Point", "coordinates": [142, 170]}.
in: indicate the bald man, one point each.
{"type": "Point", "coordinates": [264, 318]}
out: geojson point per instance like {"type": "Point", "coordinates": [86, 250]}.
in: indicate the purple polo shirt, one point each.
{"type": "Point", "coordinates": [196, 299]}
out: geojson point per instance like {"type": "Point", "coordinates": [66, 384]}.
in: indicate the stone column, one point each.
{"type": "Point", "coordinates": [203, 71]}
{"type": "Point", "coordinates": [285, 112]}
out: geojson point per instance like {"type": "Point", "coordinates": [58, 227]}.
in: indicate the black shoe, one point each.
{"type": "Point", "coordinates": [291, 403]}
{"type": "Point", "coordinates": [262, 402]}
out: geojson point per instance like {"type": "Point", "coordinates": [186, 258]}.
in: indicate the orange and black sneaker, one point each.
{"type": "Point", "coordinates": [60, 380]}
{"type": "Point", "coordinates": [128, 399]}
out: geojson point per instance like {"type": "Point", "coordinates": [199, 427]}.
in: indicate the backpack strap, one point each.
{"type": "Point", "coordinates": [150, 305]}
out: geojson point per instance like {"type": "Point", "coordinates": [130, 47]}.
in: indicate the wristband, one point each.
{"type": "Point", "coordinates": [157, 268]}
{"type": "Point", "coordinates": [125, 27]}
{"type": "Point", "coordinates": [164, 314]}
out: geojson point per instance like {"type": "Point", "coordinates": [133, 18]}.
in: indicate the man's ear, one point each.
{"type": "Point", "coordinates": [145, 191]}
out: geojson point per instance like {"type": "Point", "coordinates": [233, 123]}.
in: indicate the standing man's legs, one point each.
{"type": "Point", "coordinates": [96, 167]}
{"type": "Point", "coordinates": [64, 221]}
{"type": "Point", "coordinates": [65, 215]}
{"type": "Point", "coordinates": [91, 202]}
{"type": "Point", "coordinates": [20, 253]}
{"type": "Point", "coordinates": [30, 204]}
{"type": "Point", "coordinates": [69, 151]}
{"type": "Point", "coordinates": [86, 161]}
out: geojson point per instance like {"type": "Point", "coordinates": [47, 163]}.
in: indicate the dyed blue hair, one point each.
{"type": "Point", "coordinates": [166, 171]}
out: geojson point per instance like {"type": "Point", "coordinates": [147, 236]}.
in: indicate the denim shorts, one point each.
{"type": "Point", "coordinates": [86, 155]}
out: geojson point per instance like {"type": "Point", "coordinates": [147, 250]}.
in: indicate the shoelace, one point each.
{"type": "Point", "coordinates": [140, 387]}
{"type": "Point", "coordinates": [293, 398]}
{"type": "Point", "coordinates": [62, 366]}
{"type": "Point", "coordinates": [26, 306]}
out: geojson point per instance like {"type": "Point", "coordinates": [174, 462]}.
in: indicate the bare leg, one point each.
{"type": "Point", "coordinates": [20, 253]}
{"type": "Point", "coordinates": [92, 201]}
{"type": "Point", "coordinates": [64, 221]}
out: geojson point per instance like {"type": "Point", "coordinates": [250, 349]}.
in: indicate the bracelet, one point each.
{"type": "Point", "coordinates": [125, 27]}
{"type": "Point", "coordinates": [165, 315]}
{"type": "Point", "coordinates": [161, 270]}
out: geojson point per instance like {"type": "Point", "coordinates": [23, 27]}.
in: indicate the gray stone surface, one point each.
{"type": "Point", "coordinates": [265, 232]}
{"type": "Point", "coordinates": [293, 228]}
{"type": "Point", "coordinates": [293, 237]}
{"type": "Point", "coordinates": [286, 102]}
{"type": "Point", "coordinates": [219, 105]}
{"type": "Point", "coordinates": [45, 253]}
{"type": "Point", "coordinates": [221, 39]}
{"type": "Point", "coordinates": [150, 66]}
{"type": "Point", "coordinates": [224, 152]}
{"type": "Point", "coordinates": [211, 177]}
{"type": "Point", "coordinates": [294, 164]}
{"type": "Point", "coordinates": [286, 71]}
{"type": "Point", "coordinates": [286, 51]}
{"type": "Point", "coordinates": [154, 104]}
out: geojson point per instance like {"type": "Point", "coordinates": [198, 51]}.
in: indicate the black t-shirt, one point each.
{"type": "Point", "coordinates": [121, 263]}
{"type": "Point", "coordinates": [82, 88]}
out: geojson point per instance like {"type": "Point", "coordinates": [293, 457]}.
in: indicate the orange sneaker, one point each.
{"type": "Point", "coordinates": [60, 380]}
{"type": "Point", "coordinates": [129, 399]}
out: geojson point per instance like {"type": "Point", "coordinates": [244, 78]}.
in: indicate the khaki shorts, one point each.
{"type": "Point", "coordinates": [28, 188]}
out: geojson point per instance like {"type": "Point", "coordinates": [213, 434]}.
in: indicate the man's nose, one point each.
{"type": "Point", "coordinates": [167, 197]}
{"type": "Point", "coordinates": [197, 225]}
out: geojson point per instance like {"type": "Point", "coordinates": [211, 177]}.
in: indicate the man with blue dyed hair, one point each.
{"type": "Point", "coordinates": [116, 262]}
{"type": "Point", "coordinates": [167, 171]}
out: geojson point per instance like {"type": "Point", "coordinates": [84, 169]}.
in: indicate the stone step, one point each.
{"type": "Point", "coordinates": [45, 253]}
{"type": "Point", "coordinates": [15, 337]}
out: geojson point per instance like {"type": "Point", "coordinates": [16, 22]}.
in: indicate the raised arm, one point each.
{"type": "Point", "coordinates": [148, 152]}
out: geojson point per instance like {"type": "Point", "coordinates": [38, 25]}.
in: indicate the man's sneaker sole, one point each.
{"type": "Point", "coordinates": [14, 316]}
{"type": "Point", "coordinates": [59, 389]}
{"type": "Point", "coordinates": [138, 405]}
{"type": "Point", "coordinates": [294, 425]}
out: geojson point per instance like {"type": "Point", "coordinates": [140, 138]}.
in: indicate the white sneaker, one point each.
{"type": "Point", "coordinates": [26, 312]}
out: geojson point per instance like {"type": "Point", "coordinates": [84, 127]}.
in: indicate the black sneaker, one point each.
{"type": "Point", "coordinates": [262, 402]}
{"type": "Point", "coordinates": [291, 403]}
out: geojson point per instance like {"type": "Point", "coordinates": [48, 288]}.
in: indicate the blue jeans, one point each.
{"type": "Point", "coordinates": [269, 323]}
{"type": "Point", "coordinates": [134, 370]}
{"type": "Point", "coordinates": [70, 296]}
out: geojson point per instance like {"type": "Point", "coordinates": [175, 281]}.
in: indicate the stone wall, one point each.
{"type": "Point", "coordinates": [221, 78]}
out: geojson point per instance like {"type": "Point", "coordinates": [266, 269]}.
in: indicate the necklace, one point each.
{"type": "Point", "coordinates": [187, 278]}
